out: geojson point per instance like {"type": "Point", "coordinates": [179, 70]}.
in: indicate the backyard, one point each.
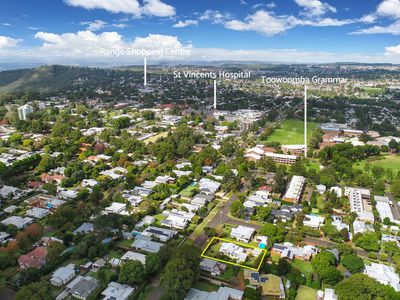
{"type": "Point", "coordinates": [306, 293]}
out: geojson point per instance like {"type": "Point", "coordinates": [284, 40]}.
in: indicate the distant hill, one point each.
{"type": "Point", "coordinates": [48, 79]}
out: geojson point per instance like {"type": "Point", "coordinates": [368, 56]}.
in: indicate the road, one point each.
{"type": "Point", "coordinates": [221, 217]}
{"type": "Point", "coordinates": [325, 243]}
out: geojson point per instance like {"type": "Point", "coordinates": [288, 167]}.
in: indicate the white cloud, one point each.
{"type": "Point", "coordinates": [120, 25]}
{"type": "Point", "coordinates": [389, 8]}
{"type": "Point", "coordinates": [6, 24]}
{"type": "Point", "coordinates": [89, 46]}
{"type": "Point", "coordinates": [271, 5]}
{"type": "Point", "coordinates": [392, 51]}
{"type": "Point", "coordinates": [315, 8]}
{"type": "Point", "coordinates": [8, 42]}
{"type": "Point", "coordinates": [269, 24]}
{"type": "Point", "coordinates": [391, 29]}
{"type": "Point", "coordinates": [114, 6]}
{"type": "Point", "coordinates": [215, 16]}
{"type": "Point", "coordinates": [186, 23]}
{"type": "Point", "coordinates": [150, 7]}
{"type": "Point", "coordinates": [370, 18]}
{"type": "Point", "coordinates": [83, 48]}
{"type": "Point", "coordinates": [157, 8]}
{"type": "Point", "coordinates": [96, 25]}
{"type": "Point", "coordinates": [261, 21]}
{"type": "Point", "coordinates": [324, 22]}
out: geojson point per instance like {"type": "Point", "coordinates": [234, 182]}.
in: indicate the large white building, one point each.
{"type": "Point", "coordinates": [24, 111]}
{"type": "Point", "coordinates": [295, 189]}
{"type": "Point", "coordinates": [359, 203]}
{"type": "Point", "coordinates": [384, 208]}
{"type": "Point", "coordinates": [384, 274]}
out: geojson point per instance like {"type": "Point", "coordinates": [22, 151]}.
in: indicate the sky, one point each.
{"type": "Point", "coordinates": [117, 32]}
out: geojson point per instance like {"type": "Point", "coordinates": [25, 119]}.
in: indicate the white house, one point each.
{"type": "Point", "coordinates": [117, 291]}
{"type": "Point", "coordinates": [37, 212]}
{"type": "Point", "coordinates": [62, 275]}
{"type": "Point", "coordinates": [130, 255]}
{"type": "Point", "coordinates": [117, 208]}
{"type": "Point", "coordinates": [313, 221]}
{"type": "Point", "coordinates": [242, 233]}
{"type": "Point", "coordinates": [233, 251]}
{"type": "Point", "coordinates": [17, 221]}
{"type": "Point", "coordinates": [162, 234]}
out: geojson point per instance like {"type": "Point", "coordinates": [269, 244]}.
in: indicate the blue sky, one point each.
{"type": "Point", "coordinates": [74, 31]}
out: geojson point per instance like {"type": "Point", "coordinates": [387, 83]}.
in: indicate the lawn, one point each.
{"type": "Point", "coordinates": [144, 295]}
{"type": "Point", "coordinates": [125, 243]}
{"type": "Point", "coordinates": [291, 132]}
{"type": "Point", "coordinates": [154, 138]}
{"type": "Point", "coordinates": [230, 273]}
{"type": "Point", "coordinates": [189, 191]}
{"type": "Point", "coordinates": [303, 266]}
{"type": "Point", "coordinates": [275, 257]}
{"type": "Point", "coordinates": [387, 162]}
{"type": "Point", "coordinates": [373, 90]}
{"type": "Point", "coordinates": [306, 293]}
{"type": "Point", "coordinates": [206, 286]}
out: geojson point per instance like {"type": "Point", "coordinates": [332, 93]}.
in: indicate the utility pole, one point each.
{"type": "Point", "coordinates": [145, 71]}
{"type": "Point", "coordinates": [215, 95]}
{"type": "Point", "coordinates": [305, 121]}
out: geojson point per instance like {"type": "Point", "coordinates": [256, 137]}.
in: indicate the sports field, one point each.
{"type": "Point", "coordinates": [387, 162]}
{"type": "Point", "coordinates": [373, 90]}
{"type": "Point", "coordinates": [291, 132]}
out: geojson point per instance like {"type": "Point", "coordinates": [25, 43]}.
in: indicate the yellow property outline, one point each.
{"type": "Point", "coordinates": [231, 263]}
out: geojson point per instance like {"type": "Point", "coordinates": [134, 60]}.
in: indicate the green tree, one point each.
{"type": "Point", "coordinates": [132, 272]}
{"type": "Point", "coordinates": [177, 278]}
{"type": "Point", "coordinates": [353, 263]}
{"type": "Point", "coordinates": [361, 287]}
{"type": "Point", "coordinates": [322, 261]}
{"type": "Point", "coordinates": [35, 291]}
{"type": "Point", "coordinates": [367, 241]}
{"type": "Point", "coordinates": [330, 275]}
{"type": "Point", "coordinates": [237, 209]}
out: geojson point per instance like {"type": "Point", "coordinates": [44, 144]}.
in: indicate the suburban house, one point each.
{"type": "Point", "coordinates": [84, 228]}
{"type": "Point", "coordinates": [288, 250]}
{"type": "Point", "coordinates": [271, 285]}
{"type": "Point", "coordinates": [62, 275]}
{"type": "Point", "coordinates": [4, 236]}
{"type": "Point", "coordinates": [116, 208]}
{"type": "Point", "coordinates": [178, 219]}
{"type": "Point", "coordinates": [146, 245]}
{"type": "Point", "coordinates": [130, 255]}
{"type": "Point", "coordinates": [313, 221]}
{"type": "Point", "coordinates": [223, 293]}
{"type": "Point", "coordinates": [162, 234]}
{"type": "Point", "coordinates": [37, 212]}
{"type": "Point", "coordinates": [117, 291]}
{"type": "Point", "coordinates": [17, 221]}
{"type": "Point", "coordinates": [214, 267]}
{"type": "Point", "coordinates": [242, 233]}
{"type": "Point", "coordinates": [233, 251]}
{"type": "Point", "coordinates": [81, 287]}
{"type": "Point", "coordinates": [34, 259]}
